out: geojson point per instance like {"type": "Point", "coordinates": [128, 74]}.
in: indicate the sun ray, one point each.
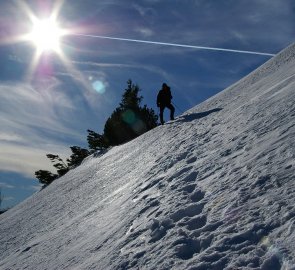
{"type": "Point", "coordinates": [27, 11]}
{"type": "Point", "coordinates": [13, 39]}
{"type": "Point", "coordinates": [32, 66]}
{"type": "Point", "coordinates": [57, 8]}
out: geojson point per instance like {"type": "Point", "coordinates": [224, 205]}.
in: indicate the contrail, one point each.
{"type": "Point", "coordinates": [176, 45]}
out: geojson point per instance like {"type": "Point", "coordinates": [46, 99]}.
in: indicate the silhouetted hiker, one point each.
{"type": "Point", "coordinates": [164, 100]}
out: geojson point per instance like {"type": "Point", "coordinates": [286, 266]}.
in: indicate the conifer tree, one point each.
{"type": "Point", "coordinates": [45, 177]}
{"type": "Point", "coordinates": [130, 98]}
{"type": "Point", "coordinates": [61, 167]}
{"type": "Point", "coordinates": [96, 141]}
{"type": "Point", "coordinates": [129, 120]}
{"type": "Point", "coordinates": [78, 154]}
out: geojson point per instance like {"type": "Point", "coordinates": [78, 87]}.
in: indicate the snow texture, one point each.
{"type": "Point", "coordinates": [212, 190]}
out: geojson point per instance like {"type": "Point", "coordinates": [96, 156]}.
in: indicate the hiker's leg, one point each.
{"type": "Point", "coordinates": [172, 110]}
{"type": "Point", "coordinates": [161, 114]}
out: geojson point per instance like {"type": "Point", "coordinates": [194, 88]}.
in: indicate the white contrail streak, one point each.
{"type": "Point", "coordinates": [175, 45]}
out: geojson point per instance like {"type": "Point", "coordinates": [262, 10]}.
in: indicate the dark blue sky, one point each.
{"type": "Point", "coordinates": [50, 109]}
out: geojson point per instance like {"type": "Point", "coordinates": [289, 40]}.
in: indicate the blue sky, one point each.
{"type": "Point", "coordinates": [49, 108]}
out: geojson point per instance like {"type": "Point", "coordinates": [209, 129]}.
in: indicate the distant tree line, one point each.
{"type": "Point", "coordinates": [128, 121]}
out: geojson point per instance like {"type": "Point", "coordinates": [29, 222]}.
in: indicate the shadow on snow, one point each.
{"type": "Point", "coordinates": [194, 116]}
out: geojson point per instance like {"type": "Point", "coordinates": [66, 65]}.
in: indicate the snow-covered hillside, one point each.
{"type": "Point", "coordinates": [212, 190]}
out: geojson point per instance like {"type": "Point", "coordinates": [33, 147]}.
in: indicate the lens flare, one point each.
{"type": "Point", "coordinates": [129, 117]}
{"type": "Point", "coordinates": [99, 87]}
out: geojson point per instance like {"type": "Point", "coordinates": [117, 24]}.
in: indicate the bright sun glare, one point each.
{"type": "Point", "coordinates": [46, 35]}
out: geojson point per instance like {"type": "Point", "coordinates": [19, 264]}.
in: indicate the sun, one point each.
{"type": "Point", "coordinates": [46, 35]}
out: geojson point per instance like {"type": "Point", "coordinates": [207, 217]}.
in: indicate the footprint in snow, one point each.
{"type": "Point", "coordinates": [197, 196]}
{"type": "Point", "coordinates": [159, 229]}
{"type": "Point", "coordinates": [188, 211]}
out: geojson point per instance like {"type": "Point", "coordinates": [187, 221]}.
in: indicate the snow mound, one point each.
{"type": "Point", "coordinates": [213, 189]}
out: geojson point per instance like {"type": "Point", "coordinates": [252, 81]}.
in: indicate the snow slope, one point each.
{"type": "Point", "coordinates": [213, 189]}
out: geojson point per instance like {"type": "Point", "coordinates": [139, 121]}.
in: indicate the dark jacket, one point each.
{"type": "Point", "coordinates": [164, 97]}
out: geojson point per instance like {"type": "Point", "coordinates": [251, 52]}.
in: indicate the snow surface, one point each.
{"type": "Point", "coordinates": [213, 189]}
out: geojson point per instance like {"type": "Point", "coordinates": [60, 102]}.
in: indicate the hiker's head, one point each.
{"type": "Point", "coordinates": [165, 86]}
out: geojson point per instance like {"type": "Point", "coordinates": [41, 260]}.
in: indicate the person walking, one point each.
{"type": "Point", "coordinates": [164, 98]}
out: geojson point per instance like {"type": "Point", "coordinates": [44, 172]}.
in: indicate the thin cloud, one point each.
{"type": "Point", "coordinates": [10, 137]}
{"type": "Point", "coordinates": [150, 68]}
{"type": "Point", "coordinates": [35, 121]}
{"type": "Point", "coordinates": [145, 32]}
{"type": "Point", "coordinates": [146, 12]}
{"type": "Point", "coordinates": [10, 198]}
{"type": "Point", "coordinates": [5, 185]}
{"type": "Point", "coordinates": [102, 65]}
{"type": "Point", "coordinates": [24, 108]}
{"type": "Point", "coordinates": [26, 160]}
